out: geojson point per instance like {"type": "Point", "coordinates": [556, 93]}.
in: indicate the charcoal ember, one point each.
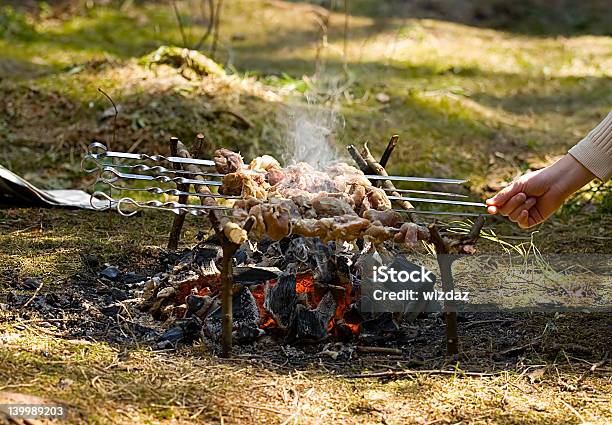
{"type": "Point", "coordinates": [241, 256]}
{"type": "Point", "coordinates": [110, 273]}
{"type": "Point", "coordinates": [281, 300]}
{"type": "Point", "coordinates": [166, 292]}
{"type": "Point", "coordinates": [150, 287]}
{"type": "Point", "coordinates": [343, 332]}
{"type": "Point", "coordinates": [379, 324]}
{"type": "Point", "coordinates": [198, 305]}
{"type": "Point", "coordinates": [319, 260]}
{"type": "Point", "coordinates": [244, 314]}
{"type": "Point", "coordinates": [202, 258]}
{"type": "Point", "coordinates": [311, 325]}
{"type": "Point", "coordinates": [247, 334]}
{"type": "Point", "coordinates": [298, 250]}
{"type": "Point", "coordinates": [186, 331]}
{"type": "Point", "coordinates": [91, 260]}
{"type": "Point", "coordinates": [255, 274]}
{"type": "Point", "coordinates": [131, 278]}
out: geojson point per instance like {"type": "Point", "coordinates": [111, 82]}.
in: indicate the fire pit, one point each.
{"type": "Point", "coordinates": [287, 255]}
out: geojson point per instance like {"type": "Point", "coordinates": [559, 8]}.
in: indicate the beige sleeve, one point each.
{"type": "Point", "coordinates": [595, 150]}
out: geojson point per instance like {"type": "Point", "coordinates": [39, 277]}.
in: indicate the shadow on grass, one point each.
{"type": "Point", "coordinates": [532, 17]}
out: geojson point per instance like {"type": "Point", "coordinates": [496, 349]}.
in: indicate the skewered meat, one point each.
{"type": "Point", "coordinates": [327, 205]}
{"type": "Point", "coordinates": [274, 218]}
{"type": "Point", "coordinates": [358, 193]}
{"type": "Point", "coordinates": [227, 161]}
{"type": "Point", "coordinates": [344, 175]}
{"type": "Point", "coordinates": [377, 233]}
{"type": "Point", "coordinates": [347, 227]}
{"type": "Point", "coordinates": [344, 227]}
{"type": "Point", "coordinates": [408, 234]}
{"type": "Point", "coordinates": [387, 218]}
{"type": "Point", "coordinates": [259, 227]}
{"type": "Point", "coordinates": [378, 199]}
{"type": "Point", "coordinates": [246, 204]}
{"type": "Point", "coordinates": [338, 203]}
{"type": "Point", "coordinates": [264, 163]}
{"type": "Point", "coordinates": [278, 223]}
{"type": "Point", "coordinates": [307, 227]}
{"type": "Point", "coordinates": [275, 175]}
{"type": "Point", "coordinates": [245, 183]}
{"type": "Point", "coordinates": [302, 176]}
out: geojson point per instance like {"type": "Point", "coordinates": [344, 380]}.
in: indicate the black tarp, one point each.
{"type": "Point", "coordinates": [16, 192]}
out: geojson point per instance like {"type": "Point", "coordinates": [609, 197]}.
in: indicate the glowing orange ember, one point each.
{"type": "Point", "coordinates": [203, 285]}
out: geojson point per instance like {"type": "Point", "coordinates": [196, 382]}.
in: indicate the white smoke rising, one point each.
{"type": "Point", "coordinates": [309, 136]}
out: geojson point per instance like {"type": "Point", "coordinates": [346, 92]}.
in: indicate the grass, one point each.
{"type": "Point", "coordinates": [102, 384]}
{"type": "Point", "coordinates": [467, 101]}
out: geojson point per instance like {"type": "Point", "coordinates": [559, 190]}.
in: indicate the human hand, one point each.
{"type": "Point", "coordinates": [535, 196]}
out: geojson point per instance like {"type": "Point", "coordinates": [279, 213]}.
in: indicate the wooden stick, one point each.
{"type": "Point", "coordinates": [227, 281]}
{"type": "Point", "coordinates": [474, 233]}
{"type": "Point", "coordinates": [389, 374]}
{"type": "Point", "coordinates": [387, 184]}
{"type": "Point", "coordinates": [389, 150]}
{"type": "Point", "coordinates": [379, 350]}
{"type": "Point", "coordinates": [182, 151]}
{"type": "Point", "coordinates": [445, 262]}
{"type": "Point", "coordinates": [229, 249]}
{"type": "Point", "coordinates": [361, 163]}
{"type": "Point", "coordinates": [179, 219]}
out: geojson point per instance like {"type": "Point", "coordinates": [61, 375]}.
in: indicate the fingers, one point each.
{"type": "Point", "coordinates": [525, 206]}
{"type": "Point", "coordinates": [512, 204]}
{"type": "Point", "coordinates": [504, 195]}
{"type": "Point", "coordinates": [523, 219]}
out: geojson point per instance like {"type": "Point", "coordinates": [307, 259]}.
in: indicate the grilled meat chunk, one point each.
{"type": "Point", "coordinates": [387, 218]}
{"type": "Point", "coordinates": [227, 161]}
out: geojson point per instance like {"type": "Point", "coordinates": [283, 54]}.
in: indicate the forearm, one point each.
{"type": "Point", "coordinates": [594, 152]}
{"type": "Point", "coordinates": [570, 175]}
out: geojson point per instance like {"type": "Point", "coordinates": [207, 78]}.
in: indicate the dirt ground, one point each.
{"type": "Point", "coordinates": [471, 95]}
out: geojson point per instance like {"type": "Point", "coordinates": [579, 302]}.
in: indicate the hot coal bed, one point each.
{"type": "Point", "coordinates": [299, 290]}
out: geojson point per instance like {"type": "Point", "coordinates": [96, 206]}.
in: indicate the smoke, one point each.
{"type": "Point", "coordinates": [309, 135]}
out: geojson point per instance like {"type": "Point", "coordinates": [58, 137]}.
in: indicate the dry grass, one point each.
{"type": "Point", "coordinates": [103, 384]}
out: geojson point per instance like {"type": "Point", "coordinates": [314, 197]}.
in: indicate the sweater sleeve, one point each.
{"type": "Point", "coordinates": [595, 150]}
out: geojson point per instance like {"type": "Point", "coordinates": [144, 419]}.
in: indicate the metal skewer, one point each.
{"type": "Point", "coordinates": [414, 179]}
{"type": "Point", "coordinates": [437, 201]}
{"type": "Point", "coordinates": [146, 168]}
{"type": "Point", "coordinates": [145, 177]}
{"type": "Point", "coordinates": [426, 192]}
{"type": "Point", "coordinates": [172, 192]}
{"type": "Point", "coordinates": [425, 212]}
{"type": "Point", "coordinates": [99, 151]}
